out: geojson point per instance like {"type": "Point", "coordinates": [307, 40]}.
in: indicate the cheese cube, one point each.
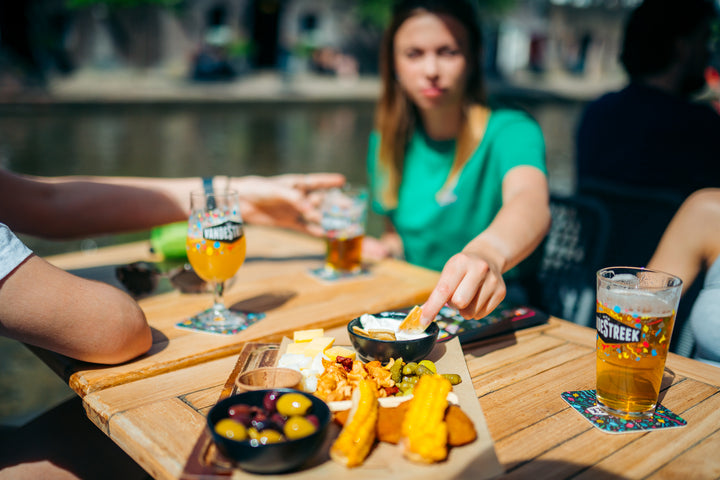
{"type": "Point", "coordinates": [333, 352]}
{"type": "Point", "coordinates": [298, 348]}
{"type": "Point", "coordinates": [317, 345]}
{"type": "Point", "coordinates": [307, 335]}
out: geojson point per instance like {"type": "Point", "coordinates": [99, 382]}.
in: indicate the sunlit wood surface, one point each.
{"type": "Point", "coordinates": [154, 407]}
{"type": "Point", "coordinates": [274, 278]}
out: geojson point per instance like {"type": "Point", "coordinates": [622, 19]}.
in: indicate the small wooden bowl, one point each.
{"type": "Point", "coordinates": [268, 377]}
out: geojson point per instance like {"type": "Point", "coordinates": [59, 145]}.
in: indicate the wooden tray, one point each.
{"type": "Point", "coordinates": [476, 460]}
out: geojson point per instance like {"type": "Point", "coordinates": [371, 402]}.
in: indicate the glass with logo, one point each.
{"type": "Point", "coordinates": [215, 247]}
{"type": "Point", "coordinates": [344, 211]}
{"type": "Point", "coordinates": [636, 310]}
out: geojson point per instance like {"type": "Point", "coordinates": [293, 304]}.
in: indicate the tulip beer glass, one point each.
{"type": "Point", "coordinates": [343, 220]}
{"type": "Point", "coordinates": [636, 311]}
{"type": "Point", "coordinates": [216, 249]}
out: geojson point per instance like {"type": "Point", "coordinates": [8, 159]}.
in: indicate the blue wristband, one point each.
{"type": "Point", "coordinates": [208, 184]}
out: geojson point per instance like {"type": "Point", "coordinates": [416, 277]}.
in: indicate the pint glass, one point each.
{"type": "Point", "coordinates": [343, 219]}
{"type": "Point", "coordinates": [636, 311]}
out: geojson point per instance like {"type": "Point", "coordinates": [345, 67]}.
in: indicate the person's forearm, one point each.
{"type": "Point", "coordinates": [519, 227]}
{"type": "Point", "coordinates": [76, 207]}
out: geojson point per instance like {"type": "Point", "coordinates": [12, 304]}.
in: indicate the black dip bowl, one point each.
{"type": "Point", "coordinates": [369, 349]}
{"type": "Point", "coordinates": [272, 457]}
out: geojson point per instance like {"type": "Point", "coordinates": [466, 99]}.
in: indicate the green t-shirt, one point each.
{"type": "Point", "coordinates": [436, 225]}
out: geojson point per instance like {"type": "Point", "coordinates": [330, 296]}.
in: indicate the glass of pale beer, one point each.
{"type": "Point", "coordinates": [215, 247]}
{"type": "Point", "coordinates": [636, 310]}
{"type": "Point", "coordinates": [344, 211]}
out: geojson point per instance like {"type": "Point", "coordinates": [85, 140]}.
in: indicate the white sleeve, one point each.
{"type": "Point", "coordinates": [12, 251]}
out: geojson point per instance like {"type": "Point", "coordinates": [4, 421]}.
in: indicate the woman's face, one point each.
{"type": "Point", "coordinates": [431, 60]}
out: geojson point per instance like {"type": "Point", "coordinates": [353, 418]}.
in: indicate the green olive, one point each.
{"type": "Point", "coordinates": [293, 404]}
{"type": "Point", "coordinates": [454, 378]}
{"type": "Point", "coordinates": [405, 386]}
{"type": "Point", "coordinates": [229, 428]}
{"type": "Point", "coordinates": [410, 379]}
{"type": "Point", "coordinates": [423, 370]}
{"type": "Point", "coordinates": [410, 368]}
{"type": "Point", "coordinates": [298, 427]}
{"type": "Point", "coordinates": [270, 436]}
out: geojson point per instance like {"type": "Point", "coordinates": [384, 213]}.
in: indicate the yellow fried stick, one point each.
{"type": "Point", "coordinates": [358, 435]}
{"type": "Point", "coordinates": [424, 431]}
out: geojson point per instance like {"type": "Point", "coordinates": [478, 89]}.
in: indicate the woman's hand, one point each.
{"type": "Point", "coordinates": [471, 282]}
{"type": "Point", "coordinates": [287, 201]}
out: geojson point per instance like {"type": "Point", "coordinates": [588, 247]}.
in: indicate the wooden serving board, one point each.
{"type": "Point", "coordinates": [273, 280]}
{"type": "Point", "coordinates": [474, 461]}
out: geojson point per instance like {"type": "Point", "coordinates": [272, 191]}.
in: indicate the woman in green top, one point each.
{"type": "Point", "coordinates": [464, 188]}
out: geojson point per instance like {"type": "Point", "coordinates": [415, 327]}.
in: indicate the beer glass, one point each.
{"type": "Point", "coordinates": [344, 211]}
{"type": "Point", "coordinates": [215, 247]}
{"type": "Point", "coordinates": [636, 310]}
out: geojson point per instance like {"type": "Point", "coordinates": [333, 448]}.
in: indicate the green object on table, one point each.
{"type": "Point", "coordinates": [169, 240]}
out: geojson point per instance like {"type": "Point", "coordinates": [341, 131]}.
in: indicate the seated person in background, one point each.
{"type": "Point", "coordinates": [463, 187]}
{"type": "Point", "coordinates": [651, 133]}
{"type": "Point", "coordinates": [691, 244]}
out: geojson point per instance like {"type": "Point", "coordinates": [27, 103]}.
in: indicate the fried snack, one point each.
{"type": "Point", "coordinates": [461, 430]}
{"type": "Point", "coordinates": [382, 334]}
{"type": "Point", "coordinates": [337, 384]}
{"type": "Point", "coordinates": [424, 431]}
{"type": "Point", "coordinates": [381, 375]}
{"type": "Point", "coordinates": [390, 423]}
{"type": "Point", "coordinates": [358, 434]}
{"type": "Point", "coordinates": [412, 321]}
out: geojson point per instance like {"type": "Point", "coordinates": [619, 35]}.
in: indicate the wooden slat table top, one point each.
{"type": "Point", "coordinates": [275, 276]}
{"type": "Point", "coordinates": [518, 379]}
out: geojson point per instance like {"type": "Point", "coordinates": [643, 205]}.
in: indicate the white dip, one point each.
{"type": "Point", "coordinates": [371, 322]}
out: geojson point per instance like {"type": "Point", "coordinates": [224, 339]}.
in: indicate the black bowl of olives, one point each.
{"type": "Point", "coordinates": [269, 431]}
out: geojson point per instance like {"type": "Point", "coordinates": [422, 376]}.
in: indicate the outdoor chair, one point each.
{"type": "Point", "coordinates": [638, 218]}
{"type": "Point", "coordinates": [572, 253]}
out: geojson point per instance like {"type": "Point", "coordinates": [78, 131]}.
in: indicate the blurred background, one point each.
{"type": "Point", "coordinates": [239, 87]}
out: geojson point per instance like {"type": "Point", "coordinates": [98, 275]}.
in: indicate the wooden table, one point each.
{"type": "Point", "coordinates": [275, 276]}
{"type": "Point", "coordinates": [157, 417]}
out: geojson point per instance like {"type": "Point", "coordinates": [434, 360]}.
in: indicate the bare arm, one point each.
{"type": "Point", "coordinates": [471, 280]}
{"type": "Point", "coordinates": [691, 241]}
{"type": "Point", "coordinates": [91, 321]}
{"type": "Point", "coordinates": [67, 207]}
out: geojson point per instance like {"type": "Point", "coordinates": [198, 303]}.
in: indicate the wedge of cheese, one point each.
{"type": "Point", "coordinates": [333, 352]}
{"type": "Point", "coordinates": [317, 345]}
{"type": "Point", "coordinates": [302, 336]}
{"type": "Point", "coordinates": [296, 348]}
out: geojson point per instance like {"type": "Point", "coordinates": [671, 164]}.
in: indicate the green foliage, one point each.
{"type": "Point", "coordinates": [77, 4]}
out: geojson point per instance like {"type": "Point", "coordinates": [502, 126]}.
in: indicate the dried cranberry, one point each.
{"type": "Point", "coordinates": [346, 362]}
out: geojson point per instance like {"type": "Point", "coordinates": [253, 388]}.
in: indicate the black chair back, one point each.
{"type": "Point", "coordinates": [573, 251]}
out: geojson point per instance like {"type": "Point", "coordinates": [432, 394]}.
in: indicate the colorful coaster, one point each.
{"type": "Point", "coordinates": [585, 403]}
{"type": "Point", "coordinates": [199, 324]}
{"type": "Point", "coordinates": [330, 275]}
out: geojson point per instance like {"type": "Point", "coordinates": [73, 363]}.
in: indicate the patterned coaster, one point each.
{"type": "Point", "coordinates": [330, 275]}
{"type": "Point", "coordinates": [584, 402]}
{"type": "Point", "coordinates": [205, 324]}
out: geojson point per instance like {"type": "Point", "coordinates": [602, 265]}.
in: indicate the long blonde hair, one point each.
{"type": "Point", "coordinates": [396, 116]}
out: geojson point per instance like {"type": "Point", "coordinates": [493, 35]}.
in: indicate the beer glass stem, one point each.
{"type": "Point", "coordinates": [218, 304]}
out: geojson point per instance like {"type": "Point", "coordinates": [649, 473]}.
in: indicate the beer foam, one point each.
{"type": "Point", "coordinates": [638, 302]}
